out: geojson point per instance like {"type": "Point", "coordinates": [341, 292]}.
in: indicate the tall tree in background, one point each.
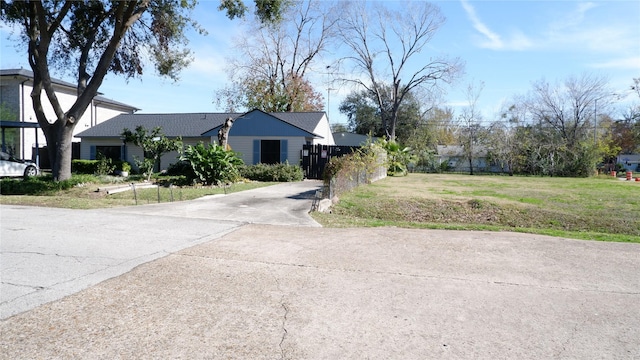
{"type": "Point", "coordinates": [501, 139]}
{"type": "Point", "coordinates": [385, 44]}
{"type": "Point", "coordinates": [569, 108]}
{"type": "Point", "coordinates": [271, 69]}
{"type": "Point", "coordinates": [98, 37]}
{"type": "Point", "coordinates": [562, 120]}
{"type": "Point", "coordinates": [363, 114]}
{"type": "Point", "coordinates": [471, 128]}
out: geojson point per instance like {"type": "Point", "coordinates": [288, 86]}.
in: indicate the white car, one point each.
{"type": "Point", "coordinates": [10, 166]}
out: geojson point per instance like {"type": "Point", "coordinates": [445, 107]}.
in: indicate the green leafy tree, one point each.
{"type": "Point", "coordinates": [154, 144]}
{"type": "Point", "coordinates": [363, 114]}
{"type": "Point", "coordinates": [213, 164]}
{"type": "Point", "coordinates": [93, 38]}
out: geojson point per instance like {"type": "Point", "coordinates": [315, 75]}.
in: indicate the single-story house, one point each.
{"type": "Point", "coordinates": [344, 138]}
{"type": "Point", "coordinates": [258, 137]}
{"type": "Point", "coordinates": [458, 161]}
{"type": "Point", "coordinates": [631, 162]}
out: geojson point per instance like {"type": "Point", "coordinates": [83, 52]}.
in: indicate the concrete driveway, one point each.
{"type": "Point", "coordinates": [49, 253]}
{"type": "Point", "coordinates": [305, 292]}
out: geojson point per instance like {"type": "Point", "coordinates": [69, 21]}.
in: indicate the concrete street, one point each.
{"type": "Point", "coordinates": [265, 291]}
{"type": "Point", "coordinates": [48, 253]}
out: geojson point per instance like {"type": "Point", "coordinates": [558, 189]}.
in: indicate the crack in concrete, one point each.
{"type": "Point", "coordinates": [284, 319]}
{"type": "Point", "coordinates": [76, 258]}
{"type": "Point", "coordinates": [284, 329]}
{"type": "Point", "coordinates": [421, 276]}
{"type": "Point", "coordinates": [37, 288]}
{"type": "Point", "coordinates": [569, 338]}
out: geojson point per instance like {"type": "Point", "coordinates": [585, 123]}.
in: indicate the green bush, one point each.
{"type": "Point", "coordinates": [84, 166]}
{"type": "Point", "coordinates": [101, 166]}
{"type": "Point", "coordinates": [213, 164]}
{"type": "Point", "coordinates": [272, 172]}
{"type": "Point", "coordinates": [181, 168]}
{"type": "Point", "coordinates": [105, 165]}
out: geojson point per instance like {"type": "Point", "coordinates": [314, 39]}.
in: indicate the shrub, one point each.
{"type": "Point", "coordinates": [398, 158]}
{"type": "Point", "coordinates": [363, 166]}
{"type": "Point", "coordinates": [181, 168]}
{"type": "Point", "coordinates": [101, 166]}
{"type": "Point", "coordinates": [272, 172]}
{"type": "Point", "coordinates": [104, 165]}
{"type": "Point", "coordinates": [213, 164]}
{"type": "Point", "coordinates": [84, 166]}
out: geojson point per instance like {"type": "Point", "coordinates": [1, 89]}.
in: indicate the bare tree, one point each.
{"type": "Point", "coordinates": [271, 69]}
{"type": "Point", "coordinates": [470, 119]}
{"type": "Point", "coordinates": [569, 108]}
{"type": "Point", "coordinates": [385, 45]}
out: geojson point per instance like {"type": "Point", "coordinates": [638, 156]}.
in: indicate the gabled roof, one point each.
{"type": "Point", "coordinates": [28, 75]}
{"type": "Point", "coordinates": [193, 124]}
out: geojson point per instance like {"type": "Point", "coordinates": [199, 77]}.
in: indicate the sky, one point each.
{"type": "Point", "coordinates": [507, 45]}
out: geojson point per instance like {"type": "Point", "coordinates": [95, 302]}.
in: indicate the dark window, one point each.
{"type": "Point", "coordinates": [270, 151]}
{"type": "Point", "coordinates": [110, 152]}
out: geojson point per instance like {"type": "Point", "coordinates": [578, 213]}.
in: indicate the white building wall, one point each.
{"type": "Point", "coordinates": [324, 129]}
{"type": "Point", "coordinates": [16, 93]}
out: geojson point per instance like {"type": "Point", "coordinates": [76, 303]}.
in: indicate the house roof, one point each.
{"type": "Point", "coordinates": [344, 138]}
{"type": "Point", "coordinates": [28, 74]}
{"type": "Point", "coordinates": [192, 124]}
{"type": "Point", "coordinates": [458, 150]}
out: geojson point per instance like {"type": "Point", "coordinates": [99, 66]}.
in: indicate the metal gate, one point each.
{"type": "Point", "coordinates": [316, 157]}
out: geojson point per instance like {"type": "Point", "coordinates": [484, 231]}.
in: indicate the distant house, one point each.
{"type": "Point", "coordinates": [21, 134]}
{"type": "Point", "coordinates": [257, 136]}
{"type": "Point", "coordinates": [631, 162]}
{"type": "Point", "coordinates": [344, 138]}
{"type": "Point", "coordinates": [457, 160]}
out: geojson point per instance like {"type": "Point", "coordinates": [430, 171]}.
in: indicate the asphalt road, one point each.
{"type": "Point", "coordinates": [256, 291]}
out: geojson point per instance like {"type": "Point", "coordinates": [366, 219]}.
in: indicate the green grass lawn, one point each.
{"type": "Point", "coordinates": [596, 208]}
{"type": "Point", "coordinates": [86, 196]}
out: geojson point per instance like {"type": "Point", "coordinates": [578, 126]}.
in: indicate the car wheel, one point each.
{"type": "Point", "coordinates": [30, 171]}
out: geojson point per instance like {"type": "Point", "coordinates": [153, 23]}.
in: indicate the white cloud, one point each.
{"type": "Point", "coordinates": [573, 18]}
{"type": "Point", "coordinates": [491, 40]}
{"type": "Point", "coordinates": [631, 63]}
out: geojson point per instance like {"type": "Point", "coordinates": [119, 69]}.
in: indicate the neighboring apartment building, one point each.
{"type": "Point", "coordinates": [22, 139]}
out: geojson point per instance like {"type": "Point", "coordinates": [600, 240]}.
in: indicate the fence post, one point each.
{"type": "Point", "coordinates": [135, 194]}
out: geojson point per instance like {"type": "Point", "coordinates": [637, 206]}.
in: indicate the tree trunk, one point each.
{"type": "Point", "coordinates": [59, 139]}
{"type": "Point", "coordinates": [223, 133]}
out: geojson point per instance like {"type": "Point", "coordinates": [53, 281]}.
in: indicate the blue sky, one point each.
{"type": "Point", "coordinates": [505, 44]}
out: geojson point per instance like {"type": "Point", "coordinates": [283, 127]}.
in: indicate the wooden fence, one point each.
{"type": "Point", "coordinates": [316, 157]}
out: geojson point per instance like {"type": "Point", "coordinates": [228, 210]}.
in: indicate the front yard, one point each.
{"type": "Point", "coordinates": [597, 208]}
